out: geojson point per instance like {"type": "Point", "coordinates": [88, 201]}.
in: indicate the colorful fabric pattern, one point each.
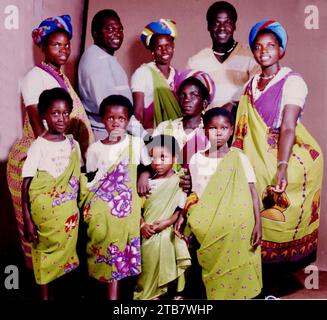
{"type": "Point", "coordinates": [162, 26]}
{"type": "Point", "coordinates": [165, 257]}
{"type": "Point", "coordinates": [166, 106]}
{"type": "Point", "coordinates": [203, 77]}
{"type": "Point", "coordinates": [82, 132]}
{"type": "Point", "coordinates": [291, 219]}
{"type": "Point", "coordinates": [54, 211]}
{"type": "Point", "coordinates": [50, 25]}
{"type": "Point", "coordinates": [222, 221]}
{"type": "Point", "coordinates": [272, 26]}
{"type": "Point", "coordinates": [112, 212]}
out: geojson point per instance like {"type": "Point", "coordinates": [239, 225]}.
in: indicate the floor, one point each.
{"type": "Point", "coordinates": [316, 283]}
{"type": "Point", "coordinates": [78, 286]}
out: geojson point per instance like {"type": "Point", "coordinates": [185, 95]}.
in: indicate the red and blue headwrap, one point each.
{"type": "Point", "coordinates": [272, 26]}
{"type": "Point", "coordinates": [203, 77]}
{"type": "Point", "coordinates": [162, 26]}
{"type": "Point", "coordinates": [50, 25]}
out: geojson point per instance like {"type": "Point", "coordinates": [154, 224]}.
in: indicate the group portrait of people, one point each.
{"type": "Point", "coordinates": [200, 183]}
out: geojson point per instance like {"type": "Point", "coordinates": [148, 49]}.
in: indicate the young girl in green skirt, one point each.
{"type": "Point", "coordinates": [223, 214]}
{"type": "Point", "coordinates": [50, 188]}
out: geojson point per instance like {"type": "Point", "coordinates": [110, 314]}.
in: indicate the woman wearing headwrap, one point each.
{"type": "Point", "coordinates": [195, 91]}
{"type": "Point", "coordinates": [154, 83]}
{"type": "Point", "coordinates": [288, 162]}
{"type": "Point", "coordinates": [53, 37]}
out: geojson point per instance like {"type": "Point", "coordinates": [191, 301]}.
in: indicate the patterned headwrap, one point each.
{"type": "Point", "coordinates": [162, 26]}
{"type": "Point", "coordinates": [203, 77]}
{"type": "Point", "coordinates": [50, 25]}
{"type": "Point", "coordinates": [272, 26]}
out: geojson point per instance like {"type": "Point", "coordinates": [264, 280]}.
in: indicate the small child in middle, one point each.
{"type": "Point", "coordinates": [111, 205]}
{"type": "Point", "coordinates": [165, 257]}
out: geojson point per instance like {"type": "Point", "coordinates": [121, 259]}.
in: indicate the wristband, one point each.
{"type": "Point", "coordinates": [282, 162]}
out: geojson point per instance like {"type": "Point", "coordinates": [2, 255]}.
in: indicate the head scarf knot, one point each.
{"type": "Point", "coordinates": [272, 26]}
{"type": "Point", "coordinates": [203, 77]}
{"type": "Point", "coordinates": [50, 25]}
{"type": "Point", "coordinates": [162, 26]}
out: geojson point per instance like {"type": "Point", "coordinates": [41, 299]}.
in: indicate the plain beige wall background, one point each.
{"type": "Point", "coordinates": [306, 52]}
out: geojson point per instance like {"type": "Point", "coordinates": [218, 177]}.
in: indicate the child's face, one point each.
{"type": "Point", "coordinates": [191, 100]}
{"type": "Point", "coordinates": [218, 131]}
{"type": "Point", "coordinates": [57, 117]}
{"type": "Point", "coordinates": [115, 119]}
{"type": "Point", "coordinates": [162, 160]}
{"type": "Point", "coordinates": [266, 50]}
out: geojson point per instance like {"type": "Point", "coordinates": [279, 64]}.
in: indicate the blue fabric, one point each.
{"type": "Point", "coordinates": [271, 25]}
{"type": "Point", "coordinates": [50, 25]}
{"type": "Point", "coordinates": [162, 26]}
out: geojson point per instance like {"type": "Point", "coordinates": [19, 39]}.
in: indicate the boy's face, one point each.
{"type": "Point", "coordinates": [162, 160]}
{"type": "Point", "coordinates": [115, 119]}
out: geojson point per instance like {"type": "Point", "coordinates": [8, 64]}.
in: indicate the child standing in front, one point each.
{"type": "Point", "coordinates": [50, 188]}
{"type": "Point", "coordinates": [165, 257]}
{"type": "Point", "coordinates": [223, 214]}
{"type": "Point", "coordinates": [111, 205]}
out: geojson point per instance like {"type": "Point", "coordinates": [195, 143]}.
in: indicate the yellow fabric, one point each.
{"type": "Point", "coordinates": [82, 132]}
{"type": "Point", "coordinates": [112, 212]}
{"type": "Point", "coordinates": [165, 257]}
{"type": "Point", "coordinates": [54, 211]}
{"type": "Point", "coordinates": [291, 219]}
{"type": "Point", "coordinates": [222, 221]}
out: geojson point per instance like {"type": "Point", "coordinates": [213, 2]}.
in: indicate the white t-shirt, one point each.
{"type": "Point", "coordinates": [142, 81]}
{"type": "Point", "coordinates": [229, 76]}
{"type": "Point", "coordinates": [50, 156]}
{"type": "Point", "coordinates": [34, 83]}
{"type": "Point", "coordinates": [177, 130]}
{"type": "Point", "coordinates": [294, 91]}
{"type": "Point", "coordinates": [156, 183]}
{"type": "Point", "coordinates": [202, 168]}
{"type": "Point", "coordinates": [102, 156]}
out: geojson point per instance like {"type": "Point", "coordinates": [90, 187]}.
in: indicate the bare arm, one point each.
{"type": "Point", "coordinates": [138, 103]}
{"type": "Point", "coordinates": [160, 225]}
{"type": "Point", "coordinates": [257, 230]}
{"type": "Point", "coordinates": [285, 144]}
{"type": "Point", "coordinates": [29, 227]}
{"type": "Point", "coordinates": [35, 120]}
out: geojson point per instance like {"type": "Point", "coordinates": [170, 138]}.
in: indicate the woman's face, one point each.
{"type": "Point", "coordinates": [56, 48]}
{"type": "Point", "coordinates": [266, 50]}
{"type": "Point", "coordinates": [191, 100]}
{"type": "Point", "coordinates": [222, 28]}
{"type": "Point", "coordinates": [218, 130]}
{"type": "Point", "coordinates": [163, 49]}
{"type": "Point", "coordinates": [111, 35]}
